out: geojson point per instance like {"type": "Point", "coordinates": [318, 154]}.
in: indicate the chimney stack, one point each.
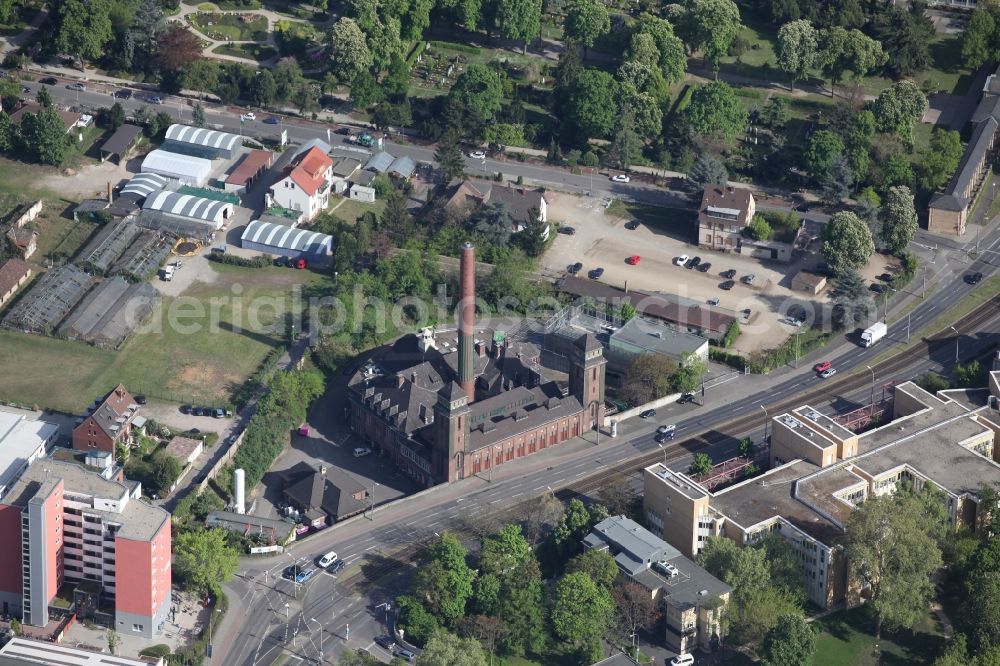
{"type": "Point", "coordinates": [467, 321]}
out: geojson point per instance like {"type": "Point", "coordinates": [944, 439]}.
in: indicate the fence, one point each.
{"type": "Point", "coordinates": [223, 460]}
{"type": "Point", "coordinates": [635, 411]}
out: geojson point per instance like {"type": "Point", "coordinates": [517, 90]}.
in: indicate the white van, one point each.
{"type": "Point", "coordinates": [327, 559]}
{"type": "Point", "coordinates": [682, 660]}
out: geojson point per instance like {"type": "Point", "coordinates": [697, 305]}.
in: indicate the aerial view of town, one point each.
{"type": "Point", "coordinates": [499, 332]}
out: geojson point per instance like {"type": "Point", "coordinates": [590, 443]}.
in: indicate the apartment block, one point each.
{"type": "Point", "coordinates": [821, 471]}
{"type": "Point", "coordinates": [90, 540]}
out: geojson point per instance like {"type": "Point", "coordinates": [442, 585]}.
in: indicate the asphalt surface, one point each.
{"type": "Point", "coordinates": [323, 614]}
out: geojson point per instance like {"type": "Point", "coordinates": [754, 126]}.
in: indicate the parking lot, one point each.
{"type": "Point", "coordinates": [603, 241]}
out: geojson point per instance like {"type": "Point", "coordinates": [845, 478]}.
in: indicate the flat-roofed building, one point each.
{"type": "Point", "coordinates": [22, 441]}
{"type": "Point", "coordinates": [253, 165]}
{"type": "Point", "coordinates": [21, 651]}
{"type": "Point", "coordinates": [640, 335]}
{"type": "Point", "coordinates": [186, 169]}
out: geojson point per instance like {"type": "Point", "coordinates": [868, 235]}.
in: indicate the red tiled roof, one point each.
{"type": "Point", "coordinates": [252, 163]}
{"type": "Point", "coordinates": [12, 272]}
{"type": "Point", "coordinates": [69, 118]}
{"type": "Point", "coordinates": [309, 174]}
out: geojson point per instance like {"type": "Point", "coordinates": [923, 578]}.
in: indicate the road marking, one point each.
{"type": "Point", "coordinates": [370, 547]}
{"type": "Point", "coordinates": [538, 488]}
{"type": "Point", "coordinates": [516, 495]}
{"type": "Point", "coordinates": [496, 500]}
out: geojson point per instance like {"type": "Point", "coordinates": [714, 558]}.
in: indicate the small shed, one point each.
{"type": "Point", "coordinates": [184, 449]}
{"type": "Point", "coordinates": [380, 162]}
{"type": "Point", "coordinates": [246, 173]}
{"type": "Point", "coordinates": [120, 143]}
{"type": "Point", "coordinates": [13, 274]}
{"type": "Point", "coordinates": [402, 167]}
{"type": "Point", "coordinates": [362, 193]}
{"type": "Point", "coordinates": [811, 283]}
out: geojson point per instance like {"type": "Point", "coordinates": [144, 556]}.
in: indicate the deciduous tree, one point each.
{"type": "Point", "coordinates": [519, 19]}
{"type": "Point", "coordinates": [84, 27]}
{"type": "Point", "coordinates": [582, 610]}
{"type": "Point", "coordinates": [447, 649]}
{"type": "Point", "coordinates": [586, 22]}
{"type": "Point", "coordinates": [847, 242]}
{"type": "Point", "coordinates": [898, 107]}
{"type": "Point", "coordinates": [478, 88]}
{"type": "Point", "coordinates": [798, 44]}
{"type": "Point", "coordinates": [978, 40]}
{"type": "Point", "coordinates": [899, 219]}
{"type": "Point", "coordinates": [597, 564]}
{"type": "Point", "coordinates": [203, 559]}
{"type": "Point", "coordinates": [647, 378]}
{"type": "Point", "coordinates": [673, 58]}
{"type": "Point", "coordinates": [824, 145]}
{"type": "Point", "coordinates": [940, 159]}
{"type": "Point", "coordinates": [792, 642]}
{"type": "Point", "coordinates": [712, 26]}
{"type": "Point", "coordinates": [178, 48]}
{"type": "Point", "coordinates": [590, 104]}
{"type": "Point", "coordinates": [715, 112]}
{"type": "Point", "coordinates": [348, 49]}
{"type": "Point", "coordinates": [635, 608]}
{"type": "Point", "coordinates": [701, 464]}
{"type": "Point", "coordinates": [443, 583]}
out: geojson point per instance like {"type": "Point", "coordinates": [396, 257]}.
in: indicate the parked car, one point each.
{"type": "Point", "coordinates": [727, 285]}
{"type": "Point", "coordinates": [620, 178]}
{"type": "Point", "coordinates": [305, 576]}
{"type": "Point", "coordinates": [218, 412]}
{"type": "Point", "coordinates": [974, 278]}
{"type": "Point", "coordinates": [406, 655]}
{"type": "Point", "coordinates": [703, 267]}
{"type": "Point", "coordinates": [667, 427]}
{"type": "Point", "coordinates": [140, 399]}
{"type": "Point", "coordinates": [596, 273]}
{"type": "Point", "coordinates": [569, 231]}
{"type": "Point", "coordinates": [361, 451]}
{"type": "Point", "coordinates": [694, 262]}
{"type": "Point", "coordinates": [682, 660]}
{"type": "Point", "coordinates": [748, 279]}
{"type": "Point", "coordinates": [477, 155]}
{"type": "Point", "coordinates": [822, 366]}
{"type": "Point", "coordinates": [681, 260]}
{"type": "Point", "coordinates": [155, 99]}
{"type": "Point", "coordinates": [791, 321]}
{"type": "Point", "coordinates": [49, 81]}
{"type": "Point", "coordinates": [886, 277]}
{"type": "Point", "coordinates": [290, 572]}
{"type": "Point", "coordinates": [76, 86]}
{"type": "Point", "coordinates": [343, 131]}
{"type": "Point", "coordinates": [877, 288]}
{"type": "Point", "coordinates": [327, 559]}
{"type": "Point", "coordinates": [385, 642]}
{"type": "Point", "coordinates": [197, 411]}
{"type": "Point", "coordinates": [729, 275]}
{"type": "Point", "coordinates": [124, 93]}
{"type": "Point", "coordinates": [632, 225]}
{"type": "Point", "coordinates": [633, 260]}
{"type": "Point", "coordinates": [248, 116]}
{"type": "Point", "coordinates": [272, 120]}
{"type": "Point", "coordinates": [830, 372]}
{"type": "Point", "coordinates": [686, 398]}
{"type": "Point", "coordinates": [713, 301]}
{"type": "Point", "coordinates": [648, 414]}
{"type": "Point", "coordinates": [575, 268]}
{"type": "Point", "coordinates": [280, 262]}
{"type": "Point", "coordinates": [185, 409]}
{"type": "Point", "coordinates": [337, 567]}
{"type": "Point", "coordinates": [300, 263]}
{"type": "Point", "coordinates": [664, 436]}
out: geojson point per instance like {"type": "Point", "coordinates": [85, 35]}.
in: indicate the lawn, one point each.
{"type": "Point", "coordinates": [847, 637]}
{"type": "Point", "coordinates": [232, 27]}
{"type": "Point", "coordinates": [677, 222]}
{"type": "Point", "coordinates": [259, 52]}
{"type": "Point", "coordinates": [443, 63]}
{"type": "Point", "coordinates": [350, 210]}
{"type": "Point", "coordinates": [179, 355]}
{"type": "Point", "coordinates": [59, 238]}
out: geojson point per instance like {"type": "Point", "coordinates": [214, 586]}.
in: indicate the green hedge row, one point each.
{"type": "Point", "coordinates": [462, 48]}
{"type": "Point", "coordinates": [260, 261]}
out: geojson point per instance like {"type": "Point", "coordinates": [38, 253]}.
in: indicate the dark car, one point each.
{"type": "Point", "coordinates": [196, 411]}
{"type": "Point", "coordinates": [885, 277]}
{"type": "Point", "coordinates": [385, 642]}
{"type": "Point", "coordinates": [343, 131]}
{"type": "Point", "coordinates": [648, 414]}
{"type": "Point", "coordinates": [694, 262]}
{"type": "Point", "coordinates": [140, 399]}
{"type": "Point", "coordinates": [633, 225]}
{"type": "Point", "coordinates": [123, 94]}
{"type": "Point", "coordinates": [291, 572]}
{"type": "Point", "coordinates": [664, 436]}
{"type": "Point", "coordinates": [218, 413]}
{"type": "Point", "coordinates": [974, 278]}
{"type": "Point", "coordinates": [271, 120]}
{"type": "Point", "coordinates": [280, 261]}
{"type": "Point", "coordinates": [569, 231]}
{"type": "Point", "coordinates": [596, 273]}
{"type": "Point", "coordinates": [337, 567]}
{"type": "Point", "coordinates": [703, 268]}
{"type": "Point", "coordinates": [575, 268]}
{"type": "Point", "coordinates": [877, 288]}
{"type": "Point", "coordinates": [729, 275]}
{"type": "Point", "coordinates": [727, 285]}
{"type": "Point", "coordinates": [194, 431]}
{"type": "Point", "coordinates": [185, 409]}
{"type": "Point", "coordinates": [686, 398]}
{"type": "Point", "coordinates": [49, 81]}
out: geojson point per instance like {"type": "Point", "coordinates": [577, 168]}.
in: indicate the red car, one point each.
{"type": "Point", "coordinates": [633, 260]}
{"type": "Point", "coordinates": [301, 263]}
{"type": "Point", "coordinates": [823, 366]}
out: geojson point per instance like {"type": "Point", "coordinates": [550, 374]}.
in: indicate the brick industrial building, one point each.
{"type": "Point", "coordinates": [444, 408]}
{"type": "Point", "coordinates": [65, 529]}
{"type": "Point", "coordinates": [820, 471]}
{"type": "Point", "coordinates": [108, 423]}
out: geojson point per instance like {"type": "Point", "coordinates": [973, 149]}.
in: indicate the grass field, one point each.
{"type": "Point", "coordinates": [59, 238]}
{"type": "Point", "coordinates": [258, 52]}
{"type": "Point", "coordinates": [847, 637]}
{"type": "Point", "coordinates": [234, 27]}
{"type": "Point", "coordinates": [349, 210]}
{"type": "Point", "coordinates": [172, 362]}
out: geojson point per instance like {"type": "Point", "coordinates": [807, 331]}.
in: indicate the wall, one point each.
{"type": "Point", "coordinates": [28, 215]}
{"type": "Point", "coordinates": [223, 460]}
{"type": "Point", "coordinates": [10, 558]}
{"type": "Point", "coordinates": [635, 411]}
{"type": "Point", "coordinates": [676, 512]}
{"type": "Point", "coordinates": [143, 587]}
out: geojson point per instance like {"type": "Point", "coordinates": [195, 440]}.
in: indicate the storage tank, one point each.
{"type": "Point", "coordinates": [238, 491]}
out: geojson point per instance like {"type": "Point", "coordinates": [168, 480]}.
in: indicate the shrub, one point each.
{"type": "Point", "coordinates": [728, 358]}
{"type": "Point", "coordinates": [590, 159]}
{"type": "Point", "coordinates": [732, 332]}
{"type": "Point", "coordinates": [415, 53]}
{"type": "Point", "coordinates": [260, 261]}
{"type": "Point", "coordinates": [461, 48]}
{"type": "Point", "coordinates": [160, 650]}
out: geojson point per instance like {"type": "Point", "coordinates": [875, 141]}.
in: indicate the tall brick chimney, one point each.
{"type": "Point", "coordinates": [467, 321]}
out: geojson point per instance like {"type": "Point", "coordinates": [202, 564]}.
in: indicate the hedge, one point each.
{"type": "Point", "coordinates": [260, 261]}
{"type": "Point", "coordinates": [728, 358]}
{"type": "Point", "coordinates": [732, 332]}
{"type": "Point", "coordinates": [462, 48]}
{"type": "Point", "coordinates": [418, 48]}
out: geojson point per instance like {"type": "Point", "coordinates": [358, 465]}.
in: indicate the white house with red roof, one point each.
{"type": "Point", "coordinates": [305, 186]}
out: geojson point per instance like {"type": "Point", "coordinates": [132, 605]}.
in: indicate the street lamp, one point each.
{"type": "Point", "coordinates": [312, 619]}
{"type": "Point", "coordinates": [871, 408]}
{"type": "Point", "coordinates": [372, 515]}
{"type": "Point", "coordinates": [664, 449]}
{"type": "Point", "coordinates": [766, 418]}
{"type": "Point", "coordinates": [211, 623]}
{"type": "Point", "coordinates": [286, 611]}
{"type": "Point", "coordinates": [957, 336]}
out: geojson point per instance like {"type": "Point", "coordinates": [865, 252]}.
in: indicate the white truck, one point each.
{"type": "Point", "coordinates": [873, 334]}
{"type": "Point", "coordinates": [168, 272]}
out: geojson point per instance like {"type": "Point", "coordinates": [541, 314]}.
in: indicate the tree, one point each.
{"type": "Point", "coordinates": [366, 90]}
{"type": "Point", "coordinates": [519, 19]}
{"type": "Point", "coordinates": [635, 607]}
{"type": "Point", "coordinates": [505, 134]}
{"type": "Point", "coordinates": [504, 552]}
{"type": "Point", "coordinates": [177, 48]}
{"type": "Point", "coordinates": [625, 145]}
{"type": "Point", "coordinates": [446, 649]}
{"type": "Point", "coordinates": [486, 629]}
{"type": "Point", "coordinates": [647, 378]}
{"type": "Point", "coordinates": [832, 55]}
{"type": "Point", "coordinates": [617, 494]}
{"type": "Point", "coordinates": [847, 242]}
{"type": "Point", "coordinates": [712, 27]}
{"type": "Point", "coordinates": [590, 104]}
{"type": "Point", "coordinates": [448, 155]}
{"type": "Point", "coordinates": [44, 136]}
{"type": "Point", "coordinates": [84, 28]}
{"type": "Point", "coordinates": [204, 559]}
{"type": "Point", "coordinates": [165, 471]}
{"type": "Point", "coordinates": [716, 112]}
{"type": "Point", "coordinates": [970, 375]}
{"type": "Point", "coordinates": [263, 89]}
{"type": "Point", "coordinates": [116, 116]}
{"type": "Point", "coordinates": [758, 229]}
{"type": "Point", "coordinates": [851, 298]}
{"type": "Point", "coordinates": [494, 222]}
{"type": "Point", "coordinates": [44, 97]}
{"type": "Point", "coordinates": [775, 113]}
{"type": "Point", "coordinates": [396, 220]}
{"type": "Point", "coordinates": [114, 641]}
{"type": "Point", "coordinates": [798, 45]}
{"type": "Point", "coordinates": [906, 35]}
{"type": "Point", "coordinates": [418, 19]}
{"type": "Point", "coordinates": [864, 54]}
{"type": "Point", "coordinates": [824, 145]}
{"type": "Point", "coordinates": [673, 58]}
{"type": "Point", "coordinates": [522, 602]}
{"type": "Point", "coordinates": [746, 448]}
{"type": "Point", "coordinates": [598, 564]}
{"type": "Point", "coordinates": [541, 515]}
{"type": "Point", "coordinates": [978, 39]}
{"type": "Point", "coordinates": [198, 115]}
{"type": "Point", "coordinates": [792, 642]}
{"type": "Point", "coordinates": [479, 89]}
{"type": "Point", "coordinates": [444, 581]}
{"type": "Point", "coordinates": [384, 42]}
{"type": "Point", "coordinates": [574, 525]}
{"type": "Point", "coordinates": [836, 183]}
{"type": "Point", "coordinates": [582, 610]}
{"type": "Point", "coordinates": [940, 160]}
{"type": "Point", "coordinates": [386, 115]}
{"type": "Point", "coordinates": [586, 22]}
{"type": "Point", "coordinates": [892, 554]}
{"type": "Point", "coordinates": [414, 619]}
{"type": "Point", "coordinates": [706, 170]}
{"type": "Point", "coordinates": [701, 464]}
{"type": "Point", "coordinates": [690, 371]}
{"type": "Point", "coordinates": [348, 48]}
{"type": "Point", "coordinates": [899, 219]}
{"type": "Point", "coordinates": [643, 50]}
{"type": "Point", "coordinates": [898, 107]}
{"type": "Point", "coordinates": [359, 657]}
